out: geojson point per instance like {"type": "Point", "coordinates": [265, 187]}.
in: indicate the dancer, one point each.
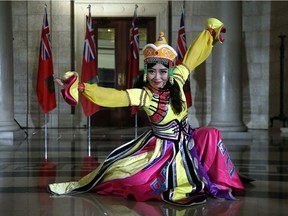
{"type": "Point", "coordinates": [171, 161]}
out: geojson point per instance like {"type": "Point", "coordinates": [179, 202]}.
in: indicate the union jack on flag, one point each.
{"type": "Point", "coordinates": [134, 42]}
{"type": "Point", "coordinates": [181, 42]}
{"type": "Point", "coordinates": [45, 39]}
{"type": "Point", "coordinates": [89, 44]}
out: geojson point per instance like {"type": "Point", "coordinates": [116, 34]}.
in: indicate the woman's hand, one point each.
{"type": "Point", "coordinates": [215, 27]}
{"type": "Point", "coordinates": [59, 81]}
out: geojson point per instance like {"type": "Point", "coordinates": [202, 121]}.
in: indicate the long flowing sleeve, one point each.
{"type": "Point", "coordinates": [199, 50]}
{"type": "Point", "coordinates": [110, 97]}
{"type": "Point", "coordinates": [197, 53]}
{"type": "Point", "coordinates": [106, 97]}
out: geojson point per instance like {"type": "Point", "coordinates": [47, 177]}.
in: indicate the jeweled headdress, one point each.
{"type": "Point", "coordinates": [159, 52]}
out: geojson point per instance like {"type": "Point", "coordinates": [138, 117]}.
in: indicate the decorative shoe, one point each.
{"type": "Point", "coordinates": [70, 92]}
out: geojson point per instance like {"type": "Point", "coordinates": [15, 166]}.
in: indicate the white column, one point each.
{"type": "Point", "coordinates": [226, 94]}
{"type": "Point", "coordinates": [8, 127]}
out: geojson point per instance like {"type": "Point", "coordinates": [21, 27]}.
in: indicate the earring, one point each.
{"type": "Point", "coordinates": [145, 73]}
{"type": "Point", "coordinates": [171, 76]}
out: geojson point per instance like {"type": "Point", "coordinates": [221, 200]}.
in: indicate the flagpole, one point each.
{"type": "Point", "coordinates": [136, 114]}
{"type": "Point", "coordinates": [46, 137]}
{"type": "Point", "coordinates": [89, 136]}
{"type": "Point", "coordinates": [133, 63]}
{"type": "Point", "coordinates": [46, 129]}
{"type": "Point", "coordinates": [89, 117]}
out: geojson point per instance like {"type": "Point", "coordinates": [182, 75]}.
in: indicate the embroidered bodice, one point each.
{"type": "Point", "coordinates": [159, 104]}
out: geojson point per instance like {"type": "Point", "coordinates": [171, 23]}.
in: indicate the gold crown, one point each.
{"type": "Point", "coordinates": [160, 49]}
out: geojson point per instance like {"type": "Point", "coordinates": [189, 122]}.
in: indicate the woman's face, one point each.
{"type": "Point", "coordinates": [158, 76]}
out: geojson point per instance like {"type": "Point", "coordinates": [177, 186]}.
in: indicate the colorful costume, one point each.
{"type": "Point", "coordinates": [171, 162]}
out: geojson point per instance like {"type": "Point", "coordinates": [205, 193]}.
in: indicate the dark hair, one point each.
{"type": "Point", "coordinates": [175, 93]}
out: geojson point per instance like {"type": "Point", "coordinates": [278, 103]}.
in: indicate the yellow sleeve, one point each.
{"type": "Point", "coordinates": [181, 73]}
{"type": "Point", "coordinates": [110, 97]}
{"type": "Point", "coordinates": [199, 50]}
{"type": "Point", "coordinates": [106, 97]}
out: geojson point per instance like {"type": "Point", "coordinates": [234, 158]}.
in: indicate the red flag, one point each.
{"type": "Point", "coordinates": [133, 55]}
{"type": "Point", "coordinates": [45, 81]}
{"type": "Point", "coordinates": [89, 67]}
{"type": "Point", "coordinates": [181, 51]}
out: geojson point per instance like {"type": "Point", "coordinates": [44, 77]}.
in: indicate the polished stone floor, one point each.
{"type": "Point", "coordinates": [27, 167]}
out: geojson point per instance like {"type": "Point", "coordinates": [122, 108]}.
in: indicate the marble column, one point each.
{"type": "Point", "coordinates": [226, 113]}
{"type": "Point", "coordinates": [8, 127]}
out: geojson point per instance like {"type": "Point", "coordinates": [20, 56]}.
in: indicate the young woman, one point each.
{"type": "Point", "coordinates": [171, 161]}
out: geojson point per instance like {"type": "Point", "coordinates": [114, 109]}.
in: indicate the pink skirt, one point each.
{"type": "Point", "coordinates": [149, 183]}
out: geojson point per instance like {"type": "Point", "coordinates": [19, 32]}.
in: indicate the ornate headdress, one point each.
{"type": "Point", "coordinates": [159, 52]}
